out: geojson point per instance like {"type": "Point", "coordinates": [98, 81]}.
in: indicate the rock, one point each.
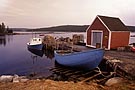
{"type": "Point", "coordinates": [6, 78]}
{"type": "Point", "coordinates": [113, 81]}
{"type": "Point", "coordinates": [59, 78]}
{"type": "Point", "coordinates": [66, 82]}
{"type": "Point", "coordinates": [24, 80]}
{"type": "Point", "coordinates": [38, 80]}
{"type": "Point", "coordinates": [20, 79]}
{"type": "Point", "coordinates": [55, 76]}
{"type": "Point", "coordinates": [116, 61]}
{"type": "Point", "coordinates": [16, 78]}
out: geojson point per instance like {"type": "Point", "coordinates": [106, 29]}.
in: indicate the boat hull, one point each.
{"type": "Point", "coordinates": [37, 46]}
{"type": "Point", "coordinates": [86, 60]}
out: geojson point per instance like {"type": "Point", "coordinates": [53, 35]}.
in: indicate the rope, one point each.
{"type": "Point", "coordinates": [111, 73]}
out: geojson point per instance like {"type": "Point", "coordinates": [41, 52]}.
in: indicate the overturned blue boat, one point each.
{"type": "Point", "coordinates": [88, 60]}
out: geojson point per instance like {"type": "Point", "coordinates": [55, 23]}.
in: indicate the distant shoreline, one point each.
{"type": "Point", "coordinates": [63, 28]}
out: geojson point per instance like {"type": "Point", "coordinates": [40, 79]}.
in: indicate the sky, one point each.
{"type": "Point", "coordinates": [46, 13]}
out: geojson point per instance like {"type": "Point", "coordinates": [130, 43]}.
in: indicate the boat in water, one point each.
{"type": "Point", "coordinates": [35, 43]}
{"type": "Point", "coordinates": [88, 60]}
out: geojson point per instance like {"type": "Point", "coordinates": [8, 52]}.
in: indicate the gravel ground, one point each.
{"type": "Point", "coordinates": [121, 55]}
{"type": "Point", "coordinates": [127, 60]}
{"type": "Point", "coordinates": [60, 85]}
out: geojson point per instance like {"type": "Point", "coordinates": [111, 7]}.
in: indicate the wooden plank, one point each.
{"type": "Point", "coordinates": [69, 74]}
{"type": "Point", "coordinates": [83, 75]}
{"type": "Point", "coordinates": [53, 68]}
{"type": "Point", "coordinates": [81, 78]}
{"type": "Point", "coordinates": [58, 69]}
{"type": "Point", "coordinates": [90, 77]}
{"type": "Point", "coordinates": [68, 71]}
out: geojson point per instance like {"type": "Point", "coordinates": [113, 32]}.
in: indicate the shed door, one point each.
{"type": "Point", "coordinates": [96, 38]}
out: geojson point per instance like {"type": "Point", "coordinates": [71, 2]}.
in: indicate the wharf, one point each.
{"type": "Point", "coordinates": [122, 62]}
{"type": "Point", "coordinates": [61, 73]}
{"type": "Point", "coordinates": [115, 63]}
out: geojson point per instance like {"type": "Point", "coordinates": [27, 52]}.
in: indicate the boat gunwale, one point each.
{"type": "Point", "coordinates": [34, 44]}
{"type": "Point", "coordinates": [74, 53]}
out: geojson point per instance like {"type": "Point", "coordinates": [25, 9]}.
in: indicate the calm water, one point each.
{"type": "Point", "coordinates": [16, 59]}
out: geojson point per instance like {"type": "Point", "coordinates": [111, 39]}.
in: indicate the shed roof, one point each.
{"type": "Point", "coordinates": [131, 28]}
{"type": "Point", "coordinates": [113, 23]}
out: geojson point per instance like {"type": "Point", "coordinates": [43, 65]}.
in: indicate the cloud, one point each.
{"type": "Point", "coordinates": [3, 5]}
{"type": "Point", "coordinates": [57, 12]}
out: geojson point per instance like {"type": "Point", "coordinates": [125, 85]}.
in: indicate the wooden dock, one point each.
{"type": "Point", "coordinates": [107, 69]}
{"type": "Point", "coordinates": [122, 62]}
{"type": "Point", "coordinates": [61, 73]}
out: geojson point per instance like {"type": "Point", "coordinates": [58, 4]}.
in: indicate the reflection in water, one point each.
{"type": "Point", "coordinates": [4, 39]}
{"type": "Point", "coordinates": [16, 59]}
{"type": "Point", "coordinates": [34, 58]}
{"type": "Point", "coordinates": [48, 54]}
{"type": "Point", "coordinates": [36, 52]}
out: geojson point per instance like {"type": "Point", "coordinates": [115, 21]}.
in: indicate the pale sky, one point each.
{"type": "Point", "coordinates": [44, 13]}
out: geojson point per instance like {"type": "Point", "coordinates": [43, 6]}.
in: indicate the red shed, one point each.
{"type": "Point", "coordinates": [107, 32]}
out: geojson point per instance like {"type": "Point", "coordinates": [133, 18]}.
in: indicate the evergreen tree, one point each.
{"type": "Point", "coordinates": [4, 30]}
{"type": "Point", "coordinates": [7, 30]}
{"type": "Point", "coordinates": [0, 28]}
{"type": "Point", "coordinates": [3, 27]}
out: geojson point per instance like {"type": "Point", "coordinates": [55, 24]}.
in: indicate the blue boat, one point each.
{"type": "Point", "coordinates": [88, 60]}
{"type": "Point", "coordinates": [35, 43]}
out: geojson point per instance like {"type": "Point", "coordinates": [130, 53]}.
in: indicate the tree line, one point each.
{"type": "Point", "coordinates": [63, 28]}
{"type": "Point", "coordinates": [5, 29]}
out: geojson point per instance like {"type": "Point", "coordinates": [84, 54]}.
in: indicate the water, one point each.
{"type": "Point", "coordinates": [16, 59]}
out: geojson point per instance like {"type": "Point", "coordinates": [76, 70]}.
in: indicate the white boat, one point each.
{"type": "Point", "coordinates": [35, 43]}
